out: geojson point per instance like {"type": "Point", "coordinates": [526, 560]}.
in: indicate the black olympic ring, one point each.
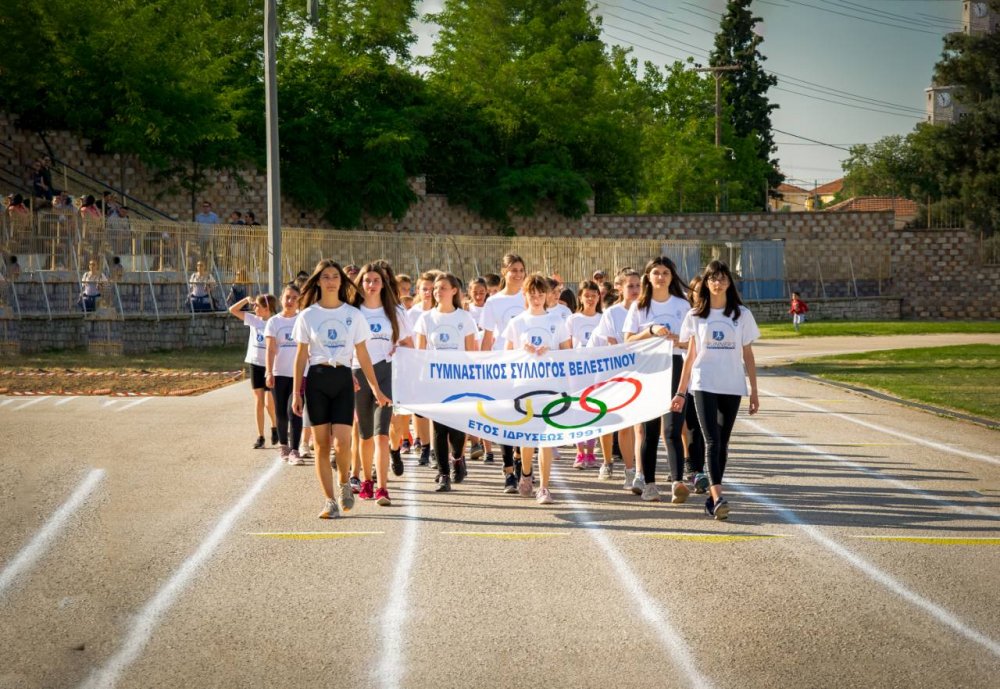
{"type": "Point", "coordinates": [566, 401]}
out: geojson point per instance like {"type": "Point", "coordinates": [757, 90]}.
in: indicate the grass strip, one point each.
{"type": "Point", "coordinates": [963, 377]}
{"type": "Point", "coordinates": [771, 331]}
{"type": "Point", "coordinates": [205, 359]}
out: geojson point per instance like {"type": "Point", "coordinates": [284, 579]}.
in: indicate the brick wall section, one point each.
{"type": "Point", "coordinates": [863, 309]}
{"type": "Point", "coordinates": [939, 274]}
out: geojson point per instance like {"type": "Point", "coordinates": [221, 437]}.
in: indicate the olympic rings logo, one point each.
{"type": "Point", "coordinates": [560, 404]}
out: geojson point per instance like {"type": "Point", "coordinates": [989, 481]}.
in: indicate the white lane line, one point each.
{"type": "Point", "coordinates": [134, 403]}
{"type": "Point", "coordinates": [30, 402]}
{"type": "Point", "coordinates": [654, 614]}
{"type": "Point", "coordinates": [882, 429]}
{"type": "Point", "coordinates": [389, 669]}
{"type": "Point", "coordinates": [874, 473]}
{"type": "Point", "coordinates": [109, 403]}
{"type": "Point", "coordinates": [149, 617]}
{"type": "Point", "coordinates": [7, 401]}
{"type": "Point", "coordinates": [43, 539]}
{"type": "Point", "coordinates": [873, 572]}
{"type": "Point", "coordinates": [64, 401]}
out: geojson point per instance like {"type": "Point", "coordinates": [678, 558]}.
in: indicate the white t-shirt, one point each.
{"type": "Point", "coordinates": [446, 331]}
{"type": "Point", "coordinates": [547, 330]}
{"type": "Point", "coordinates": [92, 282]}
{"type": "Point", "coordinates": [331, 333]}
{"type": "Point", "coordinates": [580, 328]}
{"type": "Point", "coordinates": [497, 313]}
{"type": "Point", "coordinates": [612, 322]}
{"type": "Point", "coordinates": [380, 344]}
{"type": "Point", "coordinates": [476, 312]}
{"type": "Point", "coordinates": [256, 347]}
{"type": "Point", "coordinates": [718, 367]}
{"type": "Point", "coordinates": [669, 313]}
{"type": "Point", "coordinates": [561, 310]}
{"type": "Point", "coordinates": [280, 328]}
{"type": "Point", "coordinates": [414, 313]}
{"type": "Point", "coordinates": [200, 284]}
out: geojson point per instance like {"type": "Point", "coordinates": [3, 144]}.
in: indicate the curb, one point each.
{"type": "Point", "coordinates": [885, 397]}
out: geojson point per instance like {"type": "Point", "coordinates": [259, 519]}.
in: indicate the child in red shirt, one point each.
{"type": "Point", "coordinates": [798, 310]}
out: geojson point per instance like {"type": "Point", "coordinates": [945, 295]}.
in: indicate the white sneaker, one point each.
{"type": "Point", "coordinates": [638, 484]}
{"type": "Point", "coordinates": [604, 473]}
{"type": "Point", "coordinates": [629, 479]}
{"type": "Point", "coordinates": [346, 498]}
{"type": "Point", "coordinates": [651, 493]}
{"type": "Point", "coordinates": [294, 458]}
{"type": "Point", "coordinates": [543, 496]}
{"type": "Point", "coordinates": [283, 453]}
{"type": "Point", "coordinates": [304, 451]}
{"type": "Point", "coordinates": [331, 511]}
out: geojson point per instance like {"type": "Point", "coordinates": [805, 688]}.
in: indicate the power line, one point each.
{"type": "Point", "coordinates": [864, 19]}
{"type": "Point", "coordinates": [814, 141]}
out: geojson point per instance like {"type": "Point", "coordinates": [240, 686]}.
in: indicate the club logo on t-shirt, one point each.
{"type": "Point", "coordinates": [285, 337]}
{"type": "Point", "coordinates": [443, 338]}
{"type": "Point", "coordinates": [331, 334]}
{"type": "Point", "coordinates": [376, 327]}
{"type": "Point", "coordinates": [260, 338]}
{"type": "Point", "coordinates": [536, 340]}
{"type": "Point", "coordinates": [336, 332]}
{"type": "Point", "coordinates": [723, 336]}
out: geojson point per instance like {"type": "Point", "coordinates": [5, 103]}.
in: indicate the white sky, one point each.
{"type": "Point", "coordinates": [850, 71]}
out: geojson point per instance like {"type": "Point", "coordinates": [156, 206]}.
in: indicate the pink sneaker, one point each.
{"type": "Point", "coordinates": [367, 491]}
{"type": "Point", "coordinates": [581, 461]}
{"type": "Point", "coordinates": [382, 497]}
{"type": "Point", "coordinates": [591, 460]}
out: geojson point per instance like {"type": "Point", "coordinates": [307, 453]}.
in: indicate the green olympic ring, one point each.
{"type": "Point", "coordinates": [591, 400]}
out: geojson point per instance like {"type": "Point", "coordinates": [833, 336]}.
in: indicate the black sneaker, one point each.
{"type": "Point", "coordinates": [396, 458]}
{"type": "Point", "coordinates": [718, 509]}
{"type": "Point", "coordinates": [458, 471]}
{"type": "Point", "coordinates": [260, 442]}
{"type": "Point", "coordinates": [425, 456]}
{"type": "Point", "coordinates": [274, 436]}
{"type": "Point", "coordinates": [488, 458]}
{"type": "Point", "coordinates": [444, 484]}
{"type": "Point", "coordinates": [510, 484]}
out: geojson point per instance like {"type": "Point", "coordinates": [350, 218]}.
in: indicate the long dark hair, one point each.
{"type": "Point", "coordinates": [456, 299]}
{"type": "Point", "coordinates": [702, 303]}
{"type": "Point", "coordinates": [388, 295]}
{"type": "Point", "coordinates": [312, 292]}
{"type": "Point", "coordinates": [675, 288]}
{"type": "Point", "coordinates": [505, 263]}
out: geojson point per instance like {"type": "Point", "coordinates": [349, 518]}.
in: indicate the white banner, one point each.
{"type": "Point", "coordinates": [521, 399]}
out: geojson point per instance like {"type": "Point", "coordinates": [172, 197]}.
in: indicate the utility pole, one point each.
{"type": "Point", "coordinates": [717, 72]}
{"type": "Point", "coordinates": [273, 160]}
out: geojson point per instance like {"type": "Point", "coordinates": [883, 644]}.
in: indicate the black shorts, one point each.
{"type": "Point", "coordinates": [257, 376]}
{"type": "Point", "coordinates": [330, 396]}
{"type": "Point", "coordinates": [373, 419]}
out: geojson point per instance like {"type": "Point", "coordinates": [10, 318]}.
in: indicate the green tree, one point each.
{"type": "Point", "coordinates": [745, 90]}
{"type": "Point", "coordinates": [349, 111]}
{"type": "Point", "coordinates": [536, 75]}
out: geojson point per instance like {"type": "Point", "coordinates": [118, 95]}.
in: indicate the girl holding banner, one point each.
{"type": "Point", "coordinates": [389, 328]}
{"type": "Point", "coordinates": [498, 311]}
{"type": "Point", "coordinates": [423, 304]}
{"type": "Point", "coordinates": [447, 327]}
{"type": "Point", "coordinates": [580, 325]}
{"type": "Point", "coordinates": [719, 331]}
{"type": "Point", "coordinates": [537, 331]}
{"type": "Point", "coordinates": [659, 312]}
{"type": "Point", "coordinates": [330, 333]}
{"type": "Point", "coordinates": [610, 332]}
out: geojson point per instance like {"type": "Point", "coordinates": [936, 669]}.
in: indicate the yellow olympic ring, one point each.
{"type": "Point", "coordinates": [529, 414]}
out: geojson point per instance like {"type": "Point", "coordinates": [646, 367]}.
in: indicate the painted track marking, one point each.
{"type": "Point", "coordinates": [882, 429]}
{"type": "Point", "coordinates": [134, 403]}
{"type": "Point", "coordinates": [6, 401]}
{"type": "Point", "coordinates": [30, 553]}
{"type": "Point", "coordinates": [389, 669]}
{"type": "Point", "coordinates": [63, 401]}
{"type": "Point", "coordinates": [148, 618]}
{"type": "Point", "coordinates": [651, 610]}
{"type": "Point", "coordinates": [936, 540]}
{"type": "Point", "coordinates": [30, 402]}
{"type": "Point", "coordinates": [873, 572]}
{"type": "Point", "coordinates": [961, 509]}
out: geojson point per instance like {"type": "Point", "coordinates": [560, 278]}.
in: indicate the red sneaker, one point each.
{"type": "Point", "coordinates": [367, 490]}
{"type": "Point", "coordinates": [382, 497]}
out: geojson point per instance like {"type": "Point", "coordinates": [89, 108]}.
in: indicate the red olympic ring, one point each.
{"type": "Point", "coordinates": [584, 405]}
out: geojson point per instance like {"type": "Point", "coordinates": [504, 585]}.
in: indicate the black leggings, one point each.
{"type": "Point", "coordinates": [696, 441]}
{"type": "Point", "coordinates": [673, 423]}
{"type": "Point", "coordinates": [283, 386]}
{"type": "Point", "coordinates": [443, 438]}
{"type": "Point", "coordinates": [717, 415]}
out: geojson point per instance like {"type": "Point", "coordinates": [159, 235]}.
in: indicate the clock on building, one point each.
{"type": "Point", "coordinates": [979, 9]}
{"type": "Point", "coordinates": [943, 99]}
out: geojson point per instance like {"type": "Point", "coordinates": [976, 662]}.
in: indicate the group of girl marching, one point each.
{"type": "Point", "coordinates": [326, 358]}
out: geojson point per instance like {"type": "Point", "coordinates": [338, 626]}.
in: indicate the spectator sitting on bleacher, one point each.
{"type": "Point", "coordinates": [251, 219]}
{"type": "Point", "coordinates": [62, 203]}
{"type": "Point", "coordinates": [89, 209]}
{"type": "Point", "coordinates": [236, 218]}
{"type": "Point", "coordinates": [201, 283]}
{"type": "Point", "coordinates": [40, 187]}
{"type": "Point", "coordinates": [16, 207]}
{"type": "Point", "coordinates": [91, 283]}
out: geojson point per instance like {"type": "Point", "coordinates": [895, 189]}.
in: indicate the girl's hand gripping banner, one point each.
{"type": "Point", "coordinates": [517, 398]}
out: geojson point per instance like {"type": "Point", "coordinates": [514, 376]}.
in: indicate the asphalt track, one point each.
{"type": "Point", "coordinates": [146, 545]}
